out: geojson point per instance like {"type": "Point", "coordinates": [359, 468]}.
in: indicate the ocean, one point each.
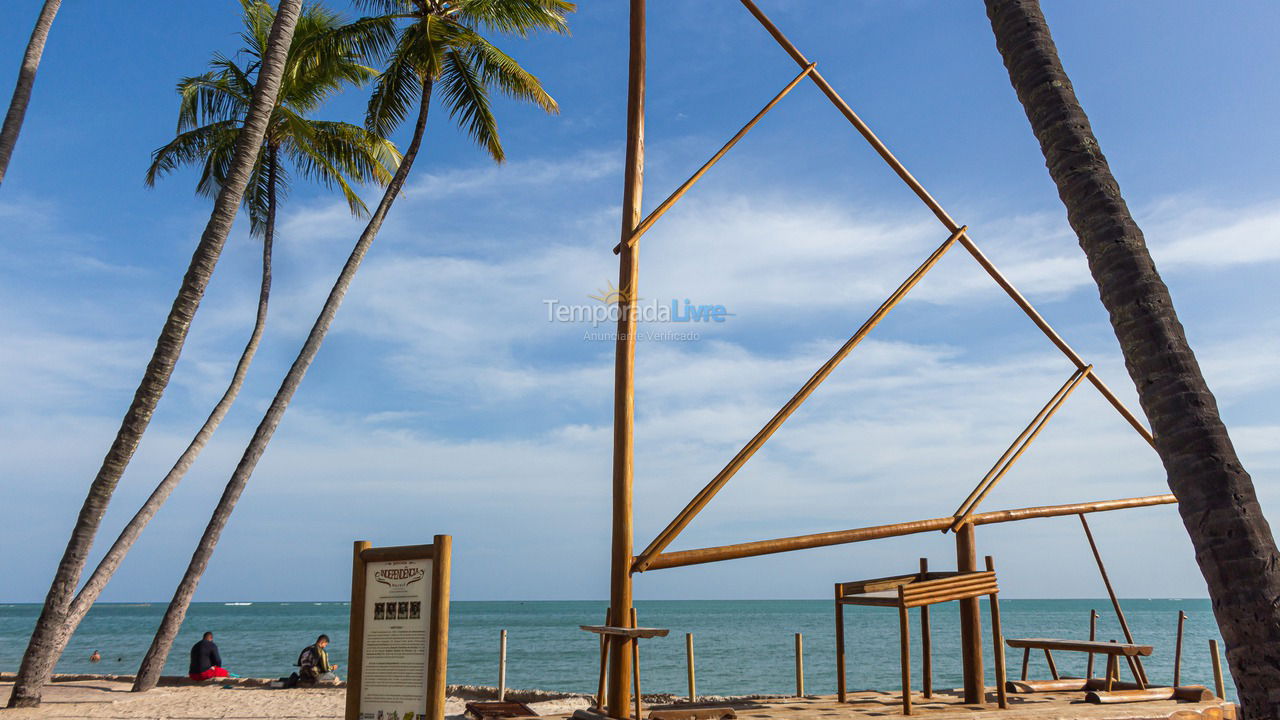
{"type": "Point", "coordinates": [741, 646]}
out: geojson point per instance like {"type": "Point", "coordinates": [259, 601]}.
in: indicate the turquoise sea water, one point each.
{"type": "Point", "coordinates": [741, 646]}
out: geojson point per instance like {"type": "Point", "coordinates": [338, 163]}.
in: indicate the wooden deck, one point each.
{"type": "Point", "coordinates": [949, 705]}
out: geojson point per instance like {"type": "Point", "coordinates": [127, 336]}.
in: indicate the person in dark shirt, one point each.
{"type": "Point", "coordinates": [314, 665]}
{"type": "Point", "coordinates": [206, 663]}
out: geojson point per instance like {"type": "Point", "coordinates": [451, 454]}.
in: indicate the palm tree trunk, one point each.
{"type": "Point", "coordinates": [152, 665]}
{"type": "Point", "coordinates": [26, 81]}
{"type": "Point", "coordinates": [42, 650]}
{"type": "Point", "coordinates": [1233, 542]}
{"type": "Point", "coordinates": [110, 562]}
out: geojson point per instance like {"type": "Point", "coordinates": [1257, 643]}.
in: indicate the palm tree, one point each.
{"type": "Point", "coordinates": [26, 81]}
{"type": "Point", "coordinates": [211, 114]}
{"type": "Point", "coordinates": [42, 650]}
{"type": "Point", "coordinates": [1216, 499]}
{"type": "Point", "coordinates": [436, 44]}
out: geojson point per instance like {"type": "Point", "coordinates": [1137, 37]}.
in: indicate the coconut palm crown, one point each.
{"type": "Point", "coordinates": [439, 43]}
{"type": "Point", "coordinates": [325, 56]}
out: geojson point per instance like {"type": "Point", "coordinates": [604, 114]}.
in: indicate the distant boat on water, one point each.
{"type": "Point", "coordinates": [238, 604]}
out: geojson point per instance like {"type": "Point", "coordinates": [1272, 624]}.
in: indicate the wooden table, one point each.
{"type": "Point", "coordinates": [1112, 650]}
{"type": "Point", "coordinates": [920, 590]}
{"type": "Point", "coordinates": [616, 631]}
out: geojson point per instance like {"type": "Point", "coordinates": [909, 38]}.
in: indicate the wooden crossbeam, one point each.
{"type": "Point", "coordinates": [701, 556]}
{"type": "Point", "coordinates": [671, 200]}
{"type": "Point", "coordinates": [1016, 448]}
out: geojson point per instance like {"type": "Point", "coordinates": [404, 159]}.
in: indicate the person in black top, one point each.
{"type": "Point", "coordinates": [314, 663]}
{"type": "Point", "coordinates": [206, 663]}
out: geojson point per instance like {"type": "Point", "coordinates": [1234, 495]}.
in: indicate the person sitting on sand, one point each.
{"type": "Point", "coordinates": [95, 657]}
{"type": "Point", "coordinates": [206, 663]}
{"type": "Point", "coordinates": [313, 663]}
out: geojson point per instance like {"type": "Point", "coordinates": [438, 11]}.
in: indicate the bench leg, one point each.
{"type": "Point", "coordinates": [1026, 658]}
{"type": "Point", "coordinates": [926, 661]}
{"type": "Point", "coordinates": [1112, 671]}
{"type": "Point", "coordinates": [840, 692]}
{"type": "Point", "coordinates": [998, 638]}
{"type": "Point", "coordinates": [1053, 669]}
{"type": "Point", "coordinates": [904, 632]}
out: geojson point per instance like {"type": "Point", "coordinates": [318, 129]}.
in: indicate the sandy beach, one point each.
{"type": "Point", "coordinates": [106, 698]}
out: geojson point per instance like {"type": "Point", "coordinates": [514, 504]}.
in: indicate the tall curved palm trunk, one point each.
{"type": "Point", "coordinates": [47, 638]}
{"type": "Point", "coordinates": [154, 661]}
{"type": "Point", "coordinates": [110, 562]}
{"type": "Point", "coordinates": [1232, 540]}
{"type": "Point", "coordinates": [26, 82]}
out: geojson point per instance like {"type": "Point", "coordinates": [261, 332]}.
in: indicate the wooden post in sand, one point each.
{"type": "Point", "coordinates": [502, 666]}
{"type": "Point", "coordinates": [799, 665]}
{"type": "Point", "coordinates": [1219, 686]}
{"type": "Point", "coordinates": [1177, 650]}
{"type": "Point", "coordinates": [688, 651]}
{"type": "Point", "coordinates": [975, 690]}
{"type": "Point", "coordinates": [618, 694]}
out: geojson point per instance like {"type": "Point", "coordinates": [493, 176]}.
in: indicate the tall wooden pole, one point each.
{"type": "Point", "coordinates": [970, 621]}
{"type": "Point", "coordinates": [618, 696]}
{"type": "Point", "coordinates": [355, 640]}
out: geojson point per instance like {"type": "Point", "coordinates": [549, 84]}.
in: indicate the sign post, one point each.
{"type": "Point", "coordinates": [399, 636]}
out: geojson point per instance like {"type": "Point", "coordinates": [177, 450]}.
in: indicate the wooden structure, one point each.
{"type": "Point", "coordinates": [624, 562]}
{"type": "Point", "coordinates": [634, 633]}
{"type": "Point", "coordinates": [919, 590]}
{"type": "Point", "coordinates": [1112, 650]}
{"type": "Point", "coordinates": [435, 619]}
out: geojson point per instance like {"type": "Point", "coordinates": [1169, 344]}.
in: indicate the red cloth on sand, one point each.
{"type": "Point", "coordinates": [213, 672]}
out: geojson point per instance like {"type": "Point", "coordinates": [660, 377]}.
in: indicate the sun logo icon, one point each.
{"type": "Point", "coordinates": [612, 296]}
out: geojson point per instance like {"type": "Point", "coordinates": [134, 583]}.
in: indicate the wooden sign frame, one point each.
{"type": "Point", "coordinates": [439, 552]}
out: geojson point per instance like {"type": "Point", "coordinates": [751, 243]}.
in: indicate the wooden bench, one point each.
{"type": "Point", "coordinates": [920, 590]}
{"type": "Point", "coordinates": [1113, 650]}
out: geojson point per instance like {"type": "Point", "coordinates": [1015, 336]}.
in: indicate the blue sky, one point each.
{"type": "Point", "coordinates": [445, 401]}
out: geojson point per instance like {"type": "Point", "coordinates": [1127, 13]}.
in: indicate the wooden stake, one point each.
{"type": "Point", "coordinates": [620, 597]}
{"type": "Point", "coordinates": [997, 638]}
{"type": "Point", "coordinates": [671, 200]}
{"type": "Point", "coordinates": [1177, 650]}
{"type": "Point", "coordinates": [688, 651]}
{"type": "Point", "coordinates": [604, 663]}
{"type": "Point", "coordinates": [970, 621]}
{"type": "Point", "coordinates": [799, 665]}
{"type": "Point", "coordinates": [1219, 686]}
{"type": "Point", "coordinates": [840, 675]}
{"type": "Point", "coordinates": [1093, 635]}
{"type": "Point", "coordinates": [1139, 672]}
{"type": "Point", "coordinates": [705, 495]}
{"type": "Point", "coordinates": [502, 666]}
{"type": "Point", "coordinates": [1016, 448]}
{"type": "Point", "coordinates": [635, 664]}
{"type": "Point", "coordinates": [904, 637]}
{"type": "Point", "coordinates": [950, 224]}
{"type": "Point", "coordinates": [926, 640]}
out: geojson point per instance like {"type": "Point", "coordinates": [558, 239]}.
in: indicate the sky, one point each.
{"type": "Point", "coordinates": [448, 399]}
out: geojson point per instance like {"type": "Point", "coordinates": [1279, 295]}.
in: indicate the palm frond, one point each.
{"type": "Point", "coordinates": [516, 17]}
{"type": "Point", "coordinates": [499, 70]}
{"type": "Point", "coordinates": [468, 99]}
